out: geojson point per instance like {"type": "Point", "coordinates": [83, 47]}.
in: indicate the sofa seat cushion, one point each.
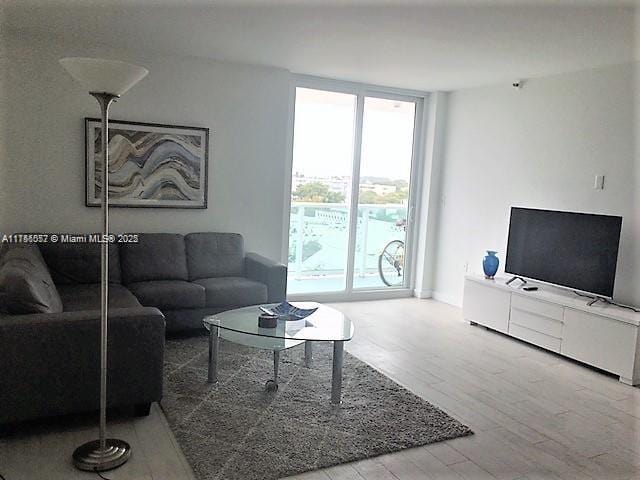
{"type": "Point", "coordinates": [233, 291]}
{"type": "Point", "coordinates": [169, 294]}
{"type": "Point", "coordinates": [87, 297]}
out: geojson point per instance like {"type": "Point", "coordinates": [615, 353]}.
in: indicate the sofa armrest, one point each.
{"type": "Point", "coordinates": [50, 363]}
{"type": "Point", "coordinates": [272, 274]}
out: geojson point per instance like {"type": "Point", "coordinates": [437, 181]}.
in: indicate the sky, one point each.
{"type": "Point", "coordinates": [324, 135]}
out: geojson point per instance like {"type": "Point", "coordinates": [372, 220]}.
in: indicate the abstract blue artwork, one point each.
{"type": "Point", "coordinates": [150, 165]}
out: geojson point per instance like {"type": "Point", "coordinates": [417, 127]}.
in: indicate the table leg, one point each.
{"type": "Point", "coordinates": [308, 354]}
{"type": "Point", "coordinates": [276, 364]}
{"type": "Point", "coordinates": [336, 378]}
{"type": "Point", "coordinates": [214, 343]}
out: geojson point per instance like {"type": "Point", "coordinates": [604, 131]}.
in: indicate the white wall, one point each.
{"type": "Point", "coordinates": [245, 107]}
{"type": "Point", "coordinates": [537, 147]}
{"type": "Point", "coordinates": [434, 119]}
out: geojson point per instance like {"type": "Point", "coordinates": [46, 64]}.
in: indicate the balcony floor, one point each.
{"type": "Point", "coordinates": [331, 283]}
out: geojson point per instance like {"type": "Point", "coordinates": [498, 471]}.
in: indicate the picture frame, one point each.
{"type": "Point", "coordinates": [151, 165]}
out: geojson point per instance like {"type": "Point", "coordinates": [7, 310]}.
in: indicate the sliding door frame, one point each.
{"type": "Point", "coordinates": [361, 91]}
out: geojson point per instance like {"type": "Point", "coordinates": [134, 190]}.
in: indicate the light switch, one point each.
{"type": "Point", "coordinates": [599, 182]}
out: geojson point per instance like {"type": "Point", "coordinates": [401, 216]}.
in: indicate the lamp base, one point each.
{"type": "Point", "coordinates": [92, 458]}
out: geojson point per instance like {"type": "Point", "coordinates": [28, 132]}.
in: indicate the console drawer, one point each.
{"type": "Point", "coordinates": [532, 305]}
{"type": "Point", "coordinates": [537, 338]}
{"type": "Point", "coordinates": [538, 323]}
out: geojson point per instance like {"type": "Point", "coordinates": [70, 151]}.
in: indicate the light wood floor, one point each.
{"type": "Point", "coordinates": [47, 455]}
{"type": "Point", "coordinates": [535, 415]}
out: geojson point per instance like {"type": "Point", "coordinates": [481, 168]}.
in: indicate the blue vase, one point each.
{"type": "Point", "coordinates": [490, 264]}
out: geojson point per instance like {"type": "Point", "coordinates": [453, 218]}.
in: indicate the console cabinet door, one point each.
{"type": "Point", "coordinates": [487, 305]}
{"type": "Point", "coordinates": [599, 341]}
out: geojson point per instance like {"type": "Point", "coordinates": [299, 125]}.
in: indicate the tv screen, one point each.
{"type": "Point", "coordinates": [573, 250]}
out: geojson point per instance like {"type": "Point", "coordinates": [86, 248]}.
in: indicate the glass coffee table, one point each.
{"type": "Point", "coordinates": [241, 326]}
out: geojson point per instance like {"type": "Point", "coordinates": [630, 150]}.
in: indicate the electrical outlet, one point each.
{"type": "Point", "coordinates": [598, 184]}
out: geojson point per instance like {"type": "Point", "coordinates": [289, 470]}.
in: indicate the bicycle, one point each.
{"type": "Point", "coordinates": [391, 263]}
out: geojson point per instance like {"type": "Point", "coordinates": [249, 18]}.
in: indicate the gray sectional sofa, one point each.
{"type": "Point", "coordinates": [50, 318]}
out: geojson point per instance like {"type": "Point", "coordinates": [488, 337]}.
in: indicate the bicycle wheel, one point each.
{"type": "Point", "coordinates": [391, 264]}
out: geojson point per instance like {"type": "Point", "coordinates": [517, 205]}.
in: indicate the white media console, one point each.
{"type": "Point", "coordinates": [601, 335]}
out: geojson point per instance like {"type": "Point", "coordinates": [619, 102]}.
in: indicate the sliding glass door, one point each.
{"type": "Point", "coordinates": [351, 191]}
{"type": "Point", "coordinates": [321, 179]}
{"type": "Point", "coordinates": [383, 193]}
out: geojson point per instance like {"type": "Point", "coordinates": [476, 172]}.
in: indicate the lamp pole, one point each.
{"type": "Point", "coordinates": [103, 454]}
{"type": "Point", "coordinates": [105, 100]}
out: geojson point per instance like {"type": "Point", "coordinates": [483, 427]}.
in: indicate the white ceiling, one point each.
{"type": "Point", "coordinates": [419, 44]}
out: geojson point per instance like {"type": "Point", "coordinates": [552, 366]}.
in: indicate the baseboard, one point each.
{"type": "Point", "coordinates": [631, 382]}
{"type": "Point", "coordinates": [448, 299]}
{"type": "Point", "coordinates": [423, 293]}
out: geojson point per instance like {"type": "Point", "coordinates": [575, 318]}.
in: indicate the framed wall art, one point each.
{"type": "Point", "coordinates": [150, 165]}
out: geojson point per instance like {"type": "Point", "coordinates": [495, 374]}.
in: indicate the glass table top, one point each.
{"type": "Point", "coordinates": [325, 324]}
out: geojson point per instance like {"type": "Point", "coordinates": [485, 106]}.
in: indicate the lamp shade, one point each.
{"type": "Point", "coordinates": [104, 76]}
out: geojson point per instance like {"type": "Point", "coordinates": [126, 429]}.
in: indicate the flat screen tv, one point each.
{"type": "Point", "coordinates": [573, 250]}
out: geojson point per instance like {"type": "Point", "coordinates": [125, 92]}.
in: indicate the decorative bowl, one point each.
{"type": "Point", "coordinates": [286, 311]}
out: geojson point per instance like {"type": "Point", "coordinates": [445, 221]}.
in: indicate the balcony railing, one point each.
{"type": "Point", "coordinates": [318, 243]}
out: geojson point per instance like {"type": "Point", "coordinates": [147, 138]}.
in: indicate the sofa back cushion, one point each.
{"type": "Point", "coordinates": [79, 263]}
{"type": "Point", "coordinates": [156, 256]}
{"type": "Point", "coordinates": [25, 283]}
{"type": "Point", "coordinates": [215, 255]}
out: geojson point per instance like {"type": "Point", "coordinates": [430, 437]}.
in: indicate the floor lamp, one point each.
{"type": "Point", "coordinates": [106, 80]}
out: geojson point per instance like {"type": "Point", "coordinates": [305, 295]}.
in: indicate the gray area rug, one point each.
{"type": "Point", "coordinates": [238, 430]}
